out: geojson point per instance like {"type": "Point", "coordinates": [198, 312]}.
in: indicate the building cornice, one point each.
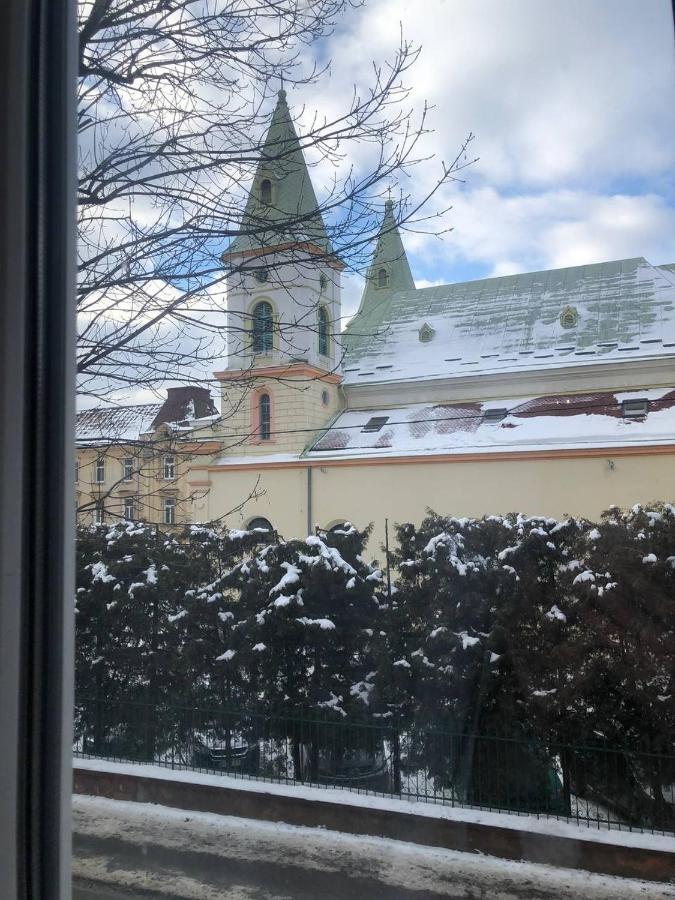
{"type": "Point", "coordinates": [292, 370]}
{"type": "Point", "coordinates": [599, 376]}
{"type": "Point", "coordinates": [420, 459]}
{"type": "Point", "coordinates": [312, 249]}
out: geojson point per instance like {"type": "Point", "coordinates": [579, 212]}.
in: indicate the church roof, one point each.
{"type": "Point", "coordinates": [390, 259]}
{"type": "Point", "coordinates": [292, 214]}
{"type": "Point", "coordinates": [526, 424]}
{"type": "Point", "coordinates": [560, 317]}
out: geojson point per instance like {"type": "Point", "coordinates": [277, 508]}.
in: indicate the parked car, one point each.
{"type": "Point", "coordinates": [236, 755]}
{"type": "Point", "coordinates": [365, 769]}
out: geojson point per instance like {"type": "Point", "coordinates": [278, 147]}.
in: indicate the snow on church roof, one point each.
{"type": "Point", "coordinates": [614, 311]}
{"type": "Point", "coordinates": [552, 422]}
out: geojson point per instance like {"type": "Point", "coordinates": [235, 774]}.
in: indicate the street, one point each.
{"type": "Point", "coordinates": [130, 850]}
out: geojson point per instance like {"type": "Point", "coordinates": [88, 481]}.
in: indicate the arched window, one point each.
{"type": "Point", "coordinates": [382, 278]}
{"type": "Point", "coordinates": [263, 327]}
{"type": "Point", "coordinates": [266, 191]}
{"type": "Point", "coordinates": [323, 331]}
{"type": "Point", "coordinates": [264, 417]}
{"type": "Point", "coordinates": [260, 524]}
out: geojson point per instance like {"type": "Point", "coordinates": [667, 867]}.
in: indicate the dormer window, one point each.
{"type": "Point", "coordinates": [494, 416]}
{"type": "Point", "coordinates": [382, 278]}
{"type": "Point", "coordinates": [377, 423]}
{"type": "Point", "coordinates": [426, 333]}
{"type": "Point", "coordinates": [266, 192]}
{"type": "Point", "coordinates": [635, 409]}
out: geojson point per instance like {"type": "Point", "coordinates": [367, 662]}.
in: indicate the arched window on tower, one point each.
{"type": "Point", "coordinates": [263, 327]}
{"type": "Point", "coordinates": [266, 192]}
{"type": "Point", "coordinates": [382, 278]}
{"type": "Point", "coordinates": [264, 417]}
{"type": "Point", "coordinates": [324, 333]}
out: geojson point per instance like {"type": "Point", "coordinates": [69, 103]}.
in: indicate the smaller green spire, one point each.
{"type": "Point", "coordinates": [389, 271]}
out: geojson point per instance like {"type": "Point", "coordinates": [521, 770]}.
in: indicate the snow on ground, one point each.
{"type": "Point", "coordinates": [520, 821]}
{"type": "Point", "coordinates": [201, 855]}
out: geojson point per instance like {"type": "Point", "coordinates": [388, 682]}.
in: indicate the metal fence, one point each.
{"type": "Point", "coordinates": [595, 785]}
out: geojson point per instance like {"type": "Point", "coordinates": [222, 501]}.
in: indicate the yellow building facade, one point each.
{"type": "Point", "coordinates": [547, 393]}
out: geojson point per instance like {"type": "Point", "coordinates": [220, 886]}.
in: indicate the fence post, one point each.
{"type": "Point", "coordinates": [396, 754]}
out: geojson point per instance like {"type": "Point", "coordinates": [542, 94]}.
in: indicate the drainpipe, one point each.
{"type": "Point", "coordinates": [309, 500]}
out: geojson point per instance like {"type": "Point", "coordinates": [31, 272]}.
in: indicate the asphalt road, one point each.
{"type": "Point", "coordinates": [130, 850]}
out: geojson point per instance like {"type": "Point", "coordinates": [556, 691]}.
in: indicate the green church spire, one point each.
{"type": "Point", "coordinates": [281, 208]}
{"type": "Point", "coordinates": [389, 271]}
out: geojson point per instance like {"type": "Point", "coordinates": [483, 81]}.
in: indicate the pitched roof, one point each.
{"type": "Point", "coordinates": [623, 310]}
{"type": "Point", "coordinates": [389, 256]}
{"type": "Point", "coordinates": [293, 215]}
{"type": "Point", "coordinates": [530, 423]}
{"type": "Point", "coordinates": [114, 424]}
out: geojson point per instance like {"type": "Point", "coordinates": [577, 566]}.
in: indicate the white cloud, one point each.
{"type": "Point", "coordinates": [573, 107]}
{"type": "Point", "coordinates": [552, 229]}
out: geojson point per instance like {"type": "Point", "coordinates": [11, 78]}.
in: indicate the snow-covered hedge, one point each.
{"type": "Point", "coordinates": [514, 624]}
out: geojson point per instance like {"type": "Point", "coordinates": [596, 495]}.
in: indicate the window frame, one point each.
{"type": "Point", "coordinates": [382, 278]}
{"type": "Point", "coordinates": [99, 470]}
{"type": "Point", "coordinates": [169, 467]}
{"type": "Point", "coordinates": [264, 416]}
{"type": "Point", "coordinates": [127, 470]}
{"type": "Point", "coordinates": [262, 328]}
{"type": "Point", "coordinates": [129, 502]}
{"type": "Point", "coordinates": [323, 331]}
{"type": "Point", "coordinates": [169, 511]}
{"type": "Point", "coordinates": [99, 513]}
{"type": "Point", "coordinates": [266, 191]}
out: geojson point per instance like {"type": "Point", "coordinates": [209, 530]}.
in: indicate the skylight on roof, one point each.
{"type": "Point", "coordinates": [375, 424]}
{"type": "Point", "coordinates": [493, 416]}
{"type": "Point", "coordinates": [632, 409]}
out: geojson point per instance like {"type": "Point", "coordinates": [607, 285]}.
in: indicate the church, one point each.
{"type": "Point", "coordinates": [548, 392]}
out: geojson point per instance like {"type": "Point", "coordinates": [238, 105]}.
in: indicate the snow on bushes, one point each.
{"type": "Point", "coordinates": [515, 624]}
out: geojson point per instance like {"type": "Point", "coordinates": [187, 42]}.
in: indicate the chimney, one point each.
{"type": "Point", "coordinates": [183, 404]}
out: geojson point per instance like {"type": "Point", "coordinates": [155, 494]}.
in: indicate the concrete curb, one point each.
{"type": "Point", "coordinates": [507, 843]}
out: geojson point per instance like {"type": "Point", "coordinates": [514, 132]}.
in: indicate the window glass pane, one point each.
{"type": "Point", "coordinates": [265, 417]}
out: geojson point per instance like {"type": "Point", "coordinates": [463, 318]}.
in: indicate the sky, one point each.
{"type": "Point", "coordinates": [573, 109]}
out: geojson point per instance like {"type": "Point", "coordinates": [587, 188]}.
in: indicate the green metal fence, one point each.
{"type": "Point", "coordinates": [592, 785]}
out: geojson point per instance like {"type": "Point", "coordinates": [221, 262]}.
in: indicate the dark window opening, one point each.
{"type": "Point", "coordinates": [323, 332]}
{"type": "Point", "coordinates": [260, 524]}
{"type": "Point", "coordinates": [266, 191]}
{"type": "Point", "coordinates": [382, 278]}
{"type": "Point", "coordinates": [265, 411]}
{"type": "Point", "coordinates": [263, 327]}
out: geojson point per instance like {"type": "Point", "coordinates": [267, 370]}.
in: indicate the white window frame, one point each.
{"type": "Point", "coordinates": [169, 468]}
{"type": "Point", "coordinates": [169, 510]}
{"type": "Point", "coordinates": [99, 470]}
{"type": "Point", "coordinates": [129, 509]}
{"type": "Point", "coordinates": [99, 513]}
{"type": "Point", "coordinates": [127, 468]}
